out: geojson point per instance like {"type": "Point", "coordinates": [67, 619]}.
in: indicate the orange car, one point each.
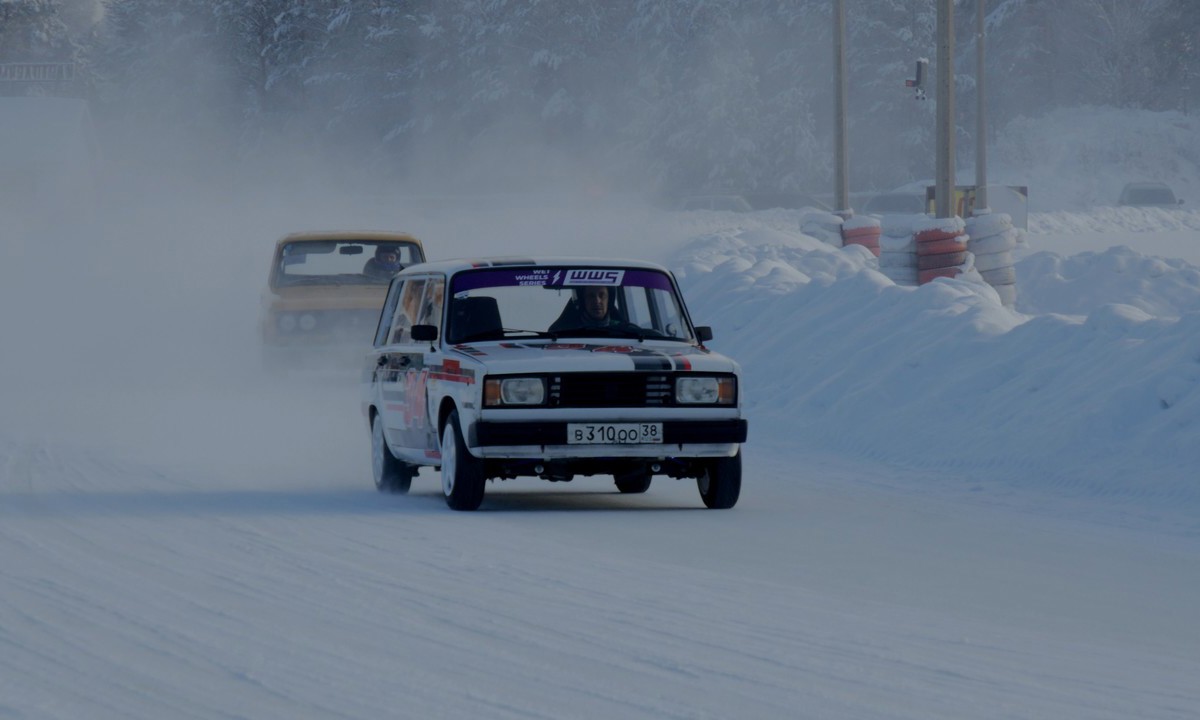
{"type": "Point", "coordinates": [326, 289]}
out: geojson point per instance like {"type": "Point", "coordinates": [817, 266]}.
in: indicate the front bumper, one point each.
{"type": "Point", "coordinates": [681, 438]}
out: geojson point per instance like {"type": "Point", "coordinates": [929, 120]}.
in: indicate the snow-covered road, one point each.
{"type": "Point", "coordinates": [206, 588]}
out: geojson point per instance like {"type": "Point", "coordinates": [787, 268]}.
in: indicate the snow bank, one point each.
{"type": "Point", "coordinates": [1104, 400]}
{"type": "Point", "coordinates": [1079, 284]}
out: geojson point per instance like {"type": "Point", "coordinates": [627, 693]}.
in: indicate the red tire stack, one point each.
{"type": "Point", "coordinates": [862, 230]}
{"type": "Point", "coordinates": [941, 252]}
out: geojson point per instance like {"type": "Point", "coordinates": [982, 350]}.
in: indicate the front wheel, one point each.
{"type": "Point", "coordinates": [462, 472]}
{"type": "Point", "coordinates": [721, 482]}
{"type": "Point", "coordinates": [391, 474]}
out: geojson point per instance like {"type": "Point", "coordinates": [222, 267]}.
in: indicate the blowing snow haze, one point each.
{"type": "Point", "coordinates": [951, 508]}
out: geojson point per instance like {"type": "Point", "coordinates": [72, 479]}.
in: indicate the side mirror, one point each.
{"type": "Point", "coordinates": [424, 333]}
{"type": "Point", "coordinates": [703, 333]}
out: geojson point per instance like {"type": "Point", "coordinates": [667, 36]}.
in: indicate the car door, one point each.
{"type": "Point", "coordinates": [401, 373]}
{"type": "Point", "coordinates": [423, 422]}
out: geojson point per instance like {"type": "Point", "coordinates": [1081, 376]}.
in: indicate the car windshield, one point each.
{"type": "Point", "coordinates": [343, 262]}
{"type": "Point", "coordinates": [565, 302]}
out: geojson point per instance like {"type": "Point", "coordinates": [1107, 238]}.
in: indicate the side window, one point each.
{"type": "Point", "coordinates": [385, 317]}
{"type": "Point", "coordinates": [431, 307]}
{"type": "Point", "coordinates": [407, 309]}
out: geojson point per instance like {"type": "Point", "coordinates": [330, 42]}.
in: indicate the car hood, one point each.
{"type": "Point", "coordinates": [594, 356]}
{"type": "Point", "coordinates": [327, 297]}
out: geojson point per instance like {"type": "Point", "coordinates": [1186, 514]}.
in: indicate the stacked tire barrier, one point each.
{"type": "Point", "coordinates": [825, 227]}
{"type": "Point", "coordinates": [993, 239]}
{"type": "Point", "coordinates": [941, 249]}
{"type": "Point", "coordinates": [898, 250]}
{"type": "Point", "coordinates": [862, 230]}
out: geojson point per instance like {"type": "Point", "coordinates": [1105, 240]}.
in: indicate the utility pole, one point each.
{"type": "Point", "coordinates": [841, 161]}
{"type": "Point", "coordinates": [944, 189]}
{"type": "Point", "coordinates": [981, 194]}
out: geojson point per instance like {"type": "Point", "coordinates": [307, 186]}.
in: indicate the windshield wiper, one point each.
{"type": "Point", "coordinates": [535, 333]}
{"type": "Point", "coordinates": [480, 337]}
{"type": "Point", "coordinates": [497, 334]}
{"type": "Point", "coordinates": [629, 332]}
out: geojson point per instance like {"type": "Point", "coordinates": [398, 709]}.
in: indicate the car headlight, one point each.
{"type": "Point", "coordinates": [287, 322]}
{"type": "Point", "coordinates": [308, 322]}
{"type": "Point", "coordinates": [514, 391]}
{"type": "Point", "coordinates": [705, 390]}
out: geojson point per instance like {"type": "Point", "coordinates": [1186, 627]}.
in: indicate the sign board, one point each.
{"type": "Point", "coordinates": [37, 72]}
{"type": "Point", "coordinates": [1010, 199]}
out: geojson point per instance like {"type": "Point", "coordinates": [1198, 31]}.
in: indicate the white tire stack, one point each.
{"type": "Point", "coordinates": [993, 239]}
{"type": "Point", "coordinates": [898, 250]}
{"type": "Point", "coordinates": [825, 227]}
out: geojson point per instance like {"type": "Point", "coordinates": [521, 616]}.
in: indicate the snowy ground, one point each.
{"type": "Point", "coordinates": [950, 509]}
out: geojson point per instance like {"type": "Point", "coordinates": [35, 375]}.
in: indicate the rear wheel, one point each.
{"type": "Point", "coordinates": [634, 482]}
{"type": "Point", "coordinates": [721, 482]}
{"type": "Point", "coordinates": [462, 472]}
{"type": "Point", "coordinates": [391, 474]}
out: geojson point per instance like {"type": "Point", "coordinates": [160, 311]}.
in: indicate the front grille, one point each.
{"type": "Point", "coordinates": [594, 390]}
{"type": "Point", "coordinates": [341, 325]}
{"type": "Point", "coordinates": [350, 322]}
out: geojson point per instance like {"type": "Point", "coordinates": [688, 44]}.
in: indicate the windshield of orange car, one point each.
{"type": "Point", "coordinates": [342, 262]}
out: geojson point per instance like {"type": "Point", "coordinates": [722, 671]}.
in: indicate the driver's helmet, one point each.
{"type": "Point", "coordinates": [387, 257]}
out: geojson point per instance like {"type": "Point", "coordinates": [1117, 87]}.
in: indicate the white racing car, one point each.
{"type": "Point", "coordinates": [552, 368]}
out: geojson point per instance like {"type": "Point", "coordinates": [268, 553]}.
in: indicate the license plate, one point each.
{"type": "Point", "coordinates": [613, 433]}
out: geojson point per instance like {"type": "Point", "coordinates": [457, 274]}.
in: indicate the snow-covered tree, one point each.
{"type": "Point", "coordinates": [33, 30]}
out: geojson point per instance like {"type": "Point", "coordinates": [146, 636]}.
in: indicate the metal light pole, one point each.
{"type": "Point", "coordinates": [944, 189]}
{"type": "Point", "coordinates": [841, 160]}
{"type": "Point", "coordinates": [981, 194]}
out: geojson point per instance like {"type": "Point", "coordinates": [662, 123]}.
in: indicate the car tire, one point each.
{"type": "Point", "coordinates": [991, 244]}
{"type": "Point", "coordinates": [391, 474]}
{"type": "Point", "coordinates": [1001, 276]}
{"type": "Point", "coordinates": [721, 483]}
{"type": "Point", "coordinates": [982, 226]}
{"type": "Point", "coordinates": [633, 483]}
{"type": "Point", "coordinates": [939, 247]}
{"type": "Point", "coordinates": [932, 262]}
{"type": "Point", "coordinates": [462, 472]}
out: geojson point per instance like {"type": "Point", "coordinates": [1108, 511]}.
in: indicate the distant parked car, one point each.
{"type": "Point", "coordinates": [728, 203]}
{"type": "Point", "coordinates": [895, 203]}
{"type": "Point", "coordinates": [1148, 194]}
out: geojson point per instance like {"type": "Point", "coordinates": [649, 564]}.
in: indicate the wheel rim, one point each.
{"type": "Point", "coordinates": [377, 450]}
{"type": "Point", "coordinates": [704, 481]}
{"type": "Point", "coordinates": [449, 459]}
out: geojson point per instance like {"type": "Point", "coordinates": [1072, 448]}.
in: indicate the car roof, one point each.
{"type": "Point", "coordinates": [351, 235]}
{"type": "Point", "coordinates": [449, 267]}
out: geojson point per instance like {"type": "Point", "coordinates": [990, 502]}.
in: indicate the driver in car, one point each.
{"type": "Point", "coordinates": [589, 308]}
{"type": "Point", "coordinates": [386, 262]}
